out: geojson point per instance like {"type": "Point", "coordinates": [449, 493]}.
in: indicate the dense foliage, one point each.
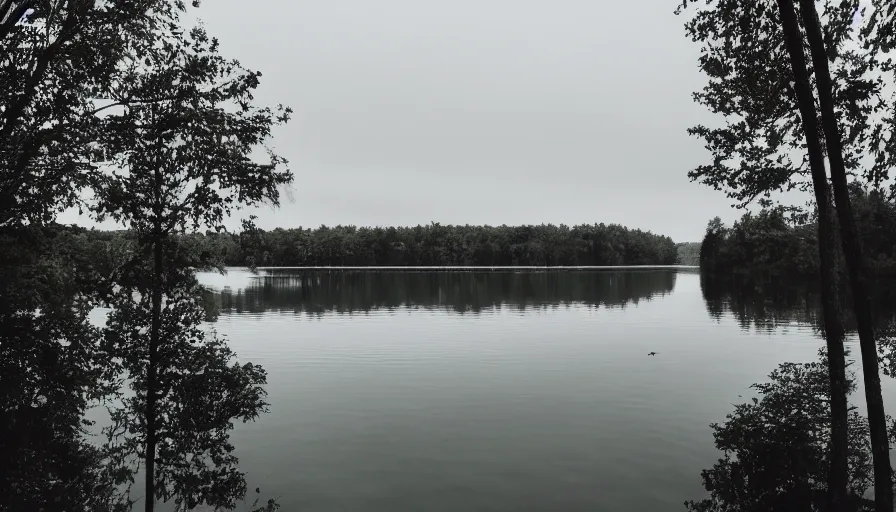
{"type": "Point", "coordinates": [771, 243]}
{"type": "Point", "coordinates": [775, 447]}
{"type": "Point", "coordinates": [50, 370]}
{"type": "Point", "coordinates": [786, 118]}
{"type": "Point", "coordinates": [181, 153]}
{"type": "Point", "coordinates": [57, 60]}
{"type": "Point", "coordinates": [117, 108]}
{"type": "Point", "coordinates": [761, 148]}
{"type": "Point", "coordinates": [436, 244]}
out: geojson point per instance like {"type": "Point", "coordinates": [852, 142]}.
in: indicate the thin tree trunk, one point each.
{"type": "Point", "coordinates": [855, 263]}
{"type": "Point", "coordinates": [833, 325]}
{"type": "Point", "coordinates": [834, 334]}
{"type": "Point", "coordinates": [151, 384]}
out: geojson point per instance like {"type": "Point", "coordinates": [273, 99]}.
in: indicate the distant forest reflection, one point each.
{"type": "Point", "coordinates": [462, 292]}
{"type": "Point", "coordinates": [763, 306]}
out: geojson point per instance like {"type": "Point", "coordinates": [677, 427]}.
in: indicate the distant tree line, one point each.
{"type": "Point", "coordinates": [774, 243]}
{"type": "Point", "coordinates": [437, 245]}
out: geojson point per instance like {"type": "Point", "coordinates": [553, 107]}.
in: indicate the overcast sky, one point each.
{"type": "Point", "coordinates": [479, 111]}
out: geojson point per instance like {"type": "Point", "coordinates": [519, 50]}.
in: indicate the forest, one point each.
{"type": "Point", "coordinates": [774, 243]}
{"type": "Point", "coordinates": [433, 245]}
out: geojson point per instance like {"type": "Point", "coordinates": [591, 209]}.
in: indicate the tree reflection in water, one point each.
{"type": "Point", "coordinates": [462, 292]}
{"type": "Point", "coordinates": [772, 304]}
{"type": "Point", "coordinates": [775, 446]}
{"type": "Point", "coordinates": [51, 369]}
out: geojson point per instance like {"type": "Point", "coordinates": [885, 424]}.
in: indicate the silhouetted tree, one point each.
{"type": "Point", "coordinates": [776, 455]}
{"type": "Point", "coordinates": [179, 164]}
{"type": "Point", "coordinates": [753, 55]}
{"type": "Point", "coordinates": [57, 59]}
{"type": "Point", "coordinates": [56, 77]}
{"type": "Point", "coordinates": [849, 236]}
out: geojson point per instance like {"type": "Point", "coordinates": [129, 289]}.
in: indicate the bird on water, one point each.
{"type": "Point", "coordinates": [651, 354]}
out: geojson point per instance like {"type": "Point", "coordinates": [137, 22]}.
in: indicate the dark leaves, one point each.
{"type": "Point", "coordinates": [749, 82]}
{"type": "Point", "coordinates": [187, 143]}
{"type": "Point", "coordinates": [775, 447]}
{"type": "Point", "coordinates": [51, 368]}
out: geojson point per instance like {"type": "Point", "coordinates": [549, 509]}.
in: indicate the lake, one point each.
{"type": "Point", "coordinates": [497, 391]}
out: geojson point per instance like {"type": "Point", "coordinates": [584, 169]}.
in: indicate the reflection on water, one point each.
{"type": "Point", "coordinates": [318, 292]}
{"type": "Point", "coordinates": [776, 448]}
{"type": "Point", "coordinates": [763, 307]}
{"type": "Point", "coordinates": [768, 306]}
{"type": "Point", "coordinates": [544, 398]}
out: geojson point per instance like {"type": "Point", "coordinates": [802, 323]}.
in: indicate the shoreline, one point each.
{"type": "Point", "coordinates": [497, 268]}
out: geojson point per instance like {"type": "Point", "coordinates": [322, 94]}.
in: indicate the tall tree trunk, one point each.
{"type": "Point", "coordinates": [151, 371]}
{"type": "Point", "coordinates": [855, 263]}
{"type": "Point", "coordinates": [834, 334]}
{"type": "Point", "coordinates": [833, 325]}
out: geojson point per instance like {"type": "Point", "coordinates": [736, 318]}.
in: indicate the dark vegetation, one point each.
{"type": "Point", "coordinates": [120, 102]}
{"type": "Point", "coordinates": [805, 89]}
{"type": "Point", "coordinates": [435, 245]}
{"type": "Point", "coordinates": [47, 463]}
{"type": "Point", "coordinates": [804, 94]}
{"type": "Point", "coordinates": [775, 447]}
{"type": "Point", "coordinates": [765, 305]}
{"type": "Point", "coordinates": [773, 243]}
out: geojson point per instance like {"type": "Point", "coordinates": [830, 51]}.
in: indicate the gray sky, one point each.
{"type": "Point", "coordinates": [479, 111]}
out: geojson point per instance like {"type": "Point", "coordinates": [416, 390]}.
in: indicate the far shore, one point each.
{"type": "Point", "coordinates": [487, 268]}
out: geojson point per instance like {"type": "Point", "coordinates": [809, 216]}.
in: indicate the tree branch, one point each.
{"type": "Point", "coordinates": [17, 14]}
{"type": "Point", "coordinates": [14, 112]}
{"type": "Point", "coordinates": [131, 101]}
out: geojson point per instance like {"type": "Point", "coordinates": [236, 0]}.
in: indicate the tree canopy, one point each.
{"type": "Point", "coordinates": [772, 243]}
{"type": "Point", "coordinates": [444, 245]}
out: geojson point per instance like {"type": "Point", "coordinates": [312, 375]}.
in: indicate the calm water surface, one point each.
{"type": "Point", "coordinates": [496, 391]}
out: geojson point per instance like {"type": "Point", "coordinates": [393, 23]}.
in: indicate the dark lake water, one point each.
{"type": "Point", "coordinates": [498, 391]}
